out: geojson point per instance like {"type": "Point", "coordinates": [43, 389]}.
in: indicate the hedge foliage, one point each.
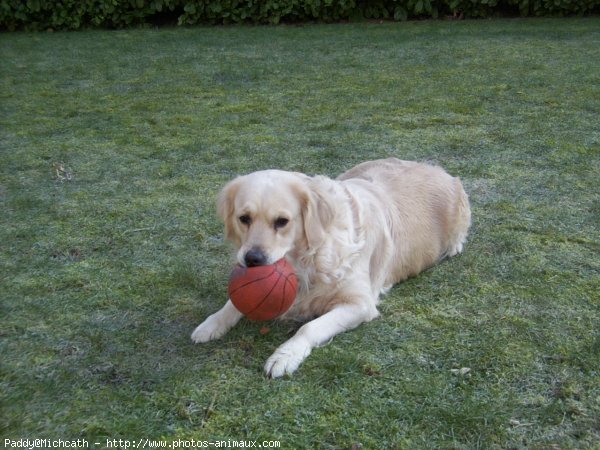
{"type": "Point", "coordinates": [77, 14]}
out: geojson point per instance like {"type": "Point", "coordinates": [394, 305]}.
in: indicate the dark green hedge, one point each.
{"type": "Point", "coordinates": [77, 14]}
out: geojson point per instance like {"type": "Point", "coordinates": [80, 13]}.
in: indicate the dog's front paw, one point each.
{"type": "Point", "coordinates": [210, 329]}
{"type": "Point", "coordinates": [216, 325]}
{"type": "Point", "coordinates": [287, 358]}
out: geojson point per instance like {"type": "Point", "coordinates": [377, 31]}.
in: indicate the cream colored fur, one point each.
{"type": "Point", "coordinates": [349, 240]}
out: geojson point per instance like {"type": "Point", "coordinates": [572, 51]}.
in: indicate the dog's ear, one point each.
{"type": "Point", "coordinates": [225, 208]}
{"type": "Point", "coordinates": [318, 211]}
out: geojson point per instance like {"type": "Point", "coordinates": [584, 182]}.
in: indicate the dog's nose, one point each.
{"type": "Point", "coordinates": [255, 257]}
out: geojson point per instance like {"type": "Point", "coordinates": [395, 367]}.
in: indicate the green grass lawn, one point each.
{"type": "Point", "coordinates": [115, 143]}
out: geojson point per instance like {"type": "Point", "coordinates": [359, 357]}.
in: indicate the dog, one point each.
{"type": "Point", "coordinates": [349, 239]}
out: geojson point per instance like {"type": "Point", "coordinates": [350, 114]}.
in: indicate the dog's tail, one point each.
{"type": "Point", "coordinates": [461, 218]}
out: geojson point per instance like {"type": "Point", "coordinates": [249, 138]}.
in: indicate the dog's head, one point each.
{"type": "Point", "coordinates": [272, 213]}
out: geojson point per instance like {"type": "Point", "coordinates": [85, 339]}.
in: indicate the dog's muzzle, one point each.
{"type": "Point", "coordinates": [255, 257]}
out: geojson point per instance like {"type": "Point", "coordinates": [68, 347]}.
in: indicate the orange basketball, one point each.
{"type": "Point", "coordinates": [263, 292]}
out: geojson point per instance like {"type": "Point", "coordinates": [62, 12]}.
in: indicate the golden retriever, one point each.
{"type": "Point", "coordinates": [349, 240]}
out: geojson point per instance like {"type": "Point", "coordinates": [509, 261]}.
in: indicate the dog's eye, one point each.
{"type": "Point", "coordinates": [245, 219]}
{"type": "Point", "coordinates": [281, 222]}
